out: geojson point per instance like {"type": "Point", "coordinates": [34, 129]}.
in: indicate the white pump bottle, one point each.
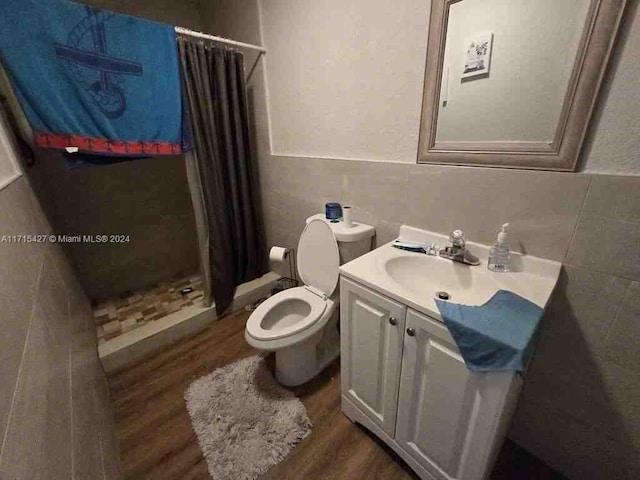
{"type": "Point", "coordinates": [499, 253]}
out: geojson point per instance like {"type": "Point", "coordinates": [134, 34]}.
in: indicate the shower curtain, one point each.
{"type": "Point", "coordinates": [221, 171]}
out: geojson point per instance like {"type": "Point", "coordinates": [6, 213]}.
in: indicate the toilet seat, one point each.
{"type": "Point", "coordinates": [296, 314]}
{"type": "Point", "coordinates": [301, 325]}
{"type": "Point", "coordinates": [257, 324]}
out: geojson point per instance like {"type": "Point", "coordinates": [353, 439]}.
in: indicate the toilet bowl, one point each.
{"type": "Point", "coordinates": [301, 324]}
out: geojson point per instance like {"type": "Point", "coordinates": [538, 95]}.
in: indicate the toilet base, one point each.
{"type": "Point", "coordinates": [299, 364]}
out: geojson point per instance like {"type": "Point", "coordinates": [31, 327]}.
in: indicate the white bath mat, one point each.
{"type": "Point", "coordinates": [245, 421]}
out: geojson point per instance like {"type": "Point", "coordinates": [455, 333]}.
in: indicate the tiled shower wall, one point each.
{"type": "Point", "coordinates": [55, 416]}
{"type": "Point", "coordinates": [146, 199]}
{"type": "Point", "coordinates": [580, 407]}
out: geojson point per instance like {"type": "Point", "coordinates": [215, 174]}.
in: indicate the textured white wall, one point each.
{"type": "Point", "coordinates": [345, 81]}
{"type": "Point", "coordinates": [345, 78]}
{"type": "Point", "coordinates": [534, 45]}
{"type": "Point", "coordinates": [616, 142]}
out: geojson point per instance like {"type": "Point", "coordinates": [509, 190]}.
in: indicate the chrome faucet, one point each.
{"type": "Point", "coordinates": [457, 251]}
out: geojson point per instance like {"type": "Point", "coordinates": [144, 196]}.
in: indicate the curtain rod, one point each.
{"type": "Point", "coordinates": [193, 33]}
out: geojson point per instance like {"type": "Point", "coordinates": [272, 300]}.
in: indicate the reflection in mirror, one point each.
{"type": "Point", "coordinates": [513, 83]}
{"type": "Point", "coordinates": [510, 89]}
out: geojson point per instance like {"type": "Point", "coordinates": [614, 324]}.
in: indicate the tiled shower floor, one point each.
{"type": "Point", "coordinates": [135, 309]}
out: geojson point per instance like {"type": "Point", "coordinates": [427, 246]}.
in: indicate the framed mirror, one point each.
{"type": "Point", "coordinates": [512, 83]}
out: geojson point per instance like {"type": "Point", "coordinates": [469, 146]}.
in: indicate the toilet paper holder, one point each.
{"type": "Point", "coordinates": [291, 281]}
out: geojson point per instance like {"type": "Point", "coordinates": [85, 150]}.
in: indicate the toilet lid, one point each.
{"type": "Point", "coordinates": [318, 257]}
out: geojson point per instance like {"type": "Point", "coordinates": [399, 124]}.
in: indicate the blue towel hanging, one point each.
{"type": "Point", "coordinates": [499, 335]}
{"type": "Point", "coordinates": [105, 83]}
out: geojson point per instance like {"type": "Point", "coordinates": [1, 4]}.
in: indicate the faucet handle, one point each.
{"type": "Point", "coordinates": [456, 237]}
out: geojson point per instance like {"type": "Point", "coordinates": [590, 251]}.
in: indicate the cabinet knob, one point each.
{"type": "Point", "coordinates": [411, 331]}
{"type": "Point", "coordinates": [393, 321]}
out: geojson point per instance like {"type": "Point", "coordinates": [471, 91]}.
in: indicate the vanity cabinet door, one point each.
{"type": "Point", "coordinates": [448, 416]}
{"type": "Point", "coordinates": [371, 328]}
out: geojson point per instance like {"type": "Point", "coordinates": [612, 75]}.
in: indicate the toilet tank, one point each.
{"type": "Point", "coordinates": [353, 241]}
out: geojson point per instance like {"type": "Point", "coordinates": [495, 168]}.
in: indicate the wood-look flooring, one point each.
{"type": "Point", "coordinates": [157, 441]}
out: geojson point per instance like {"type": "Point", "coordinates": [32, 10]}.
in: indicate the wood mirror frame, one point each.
{"type": "Point", "coordinates": [601, 26]}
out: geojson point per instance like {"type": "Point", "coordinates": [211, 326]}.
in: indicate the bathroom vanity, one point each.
{"type": "Point", "coordinates": [402, 375]}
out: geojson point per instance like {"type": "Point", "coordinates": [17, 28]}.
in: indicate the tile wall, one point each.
{"type": "Point", "coordinates": [580, 407]}
{"type": "Point", "coordinates": [146, 199]}
{"type": "Point", "coordinates": [55, 416]}
{"type": "Point", "coordinates": [542, 206]}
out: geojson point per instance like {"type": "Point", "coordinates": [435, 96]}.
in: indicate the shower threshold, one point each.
{"type": "Point", "coordinates": [117, 316]}
{"type": "Point", "coordinates": [177, 317]}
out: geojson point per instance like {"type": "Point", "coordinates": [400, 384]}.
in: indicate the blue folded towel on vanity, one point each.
{"type": "Point", "coordinates": [498, 335]}
{"type": "Point", "coordinates": [105, 83]}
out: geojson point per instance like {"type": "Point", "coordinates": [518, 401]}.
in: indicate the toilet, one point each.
{"type": "Point", "coordinates": [301, 324]}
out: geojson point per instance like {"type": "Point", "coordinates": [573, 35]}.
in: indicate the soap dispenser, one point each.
{"type": "Point", "coordinates": [499, 253]}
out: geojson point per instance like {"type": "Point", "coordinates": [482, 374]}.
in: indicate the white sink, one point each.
{"type": "Point", "coordinates": [424, 276]}
{"type": "Point", "coordinates": [415, 278]}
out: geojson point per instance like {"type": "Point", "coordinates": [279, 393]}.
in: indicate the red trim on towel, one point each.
{"type": "Point", "coordinates": [102, 145]}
